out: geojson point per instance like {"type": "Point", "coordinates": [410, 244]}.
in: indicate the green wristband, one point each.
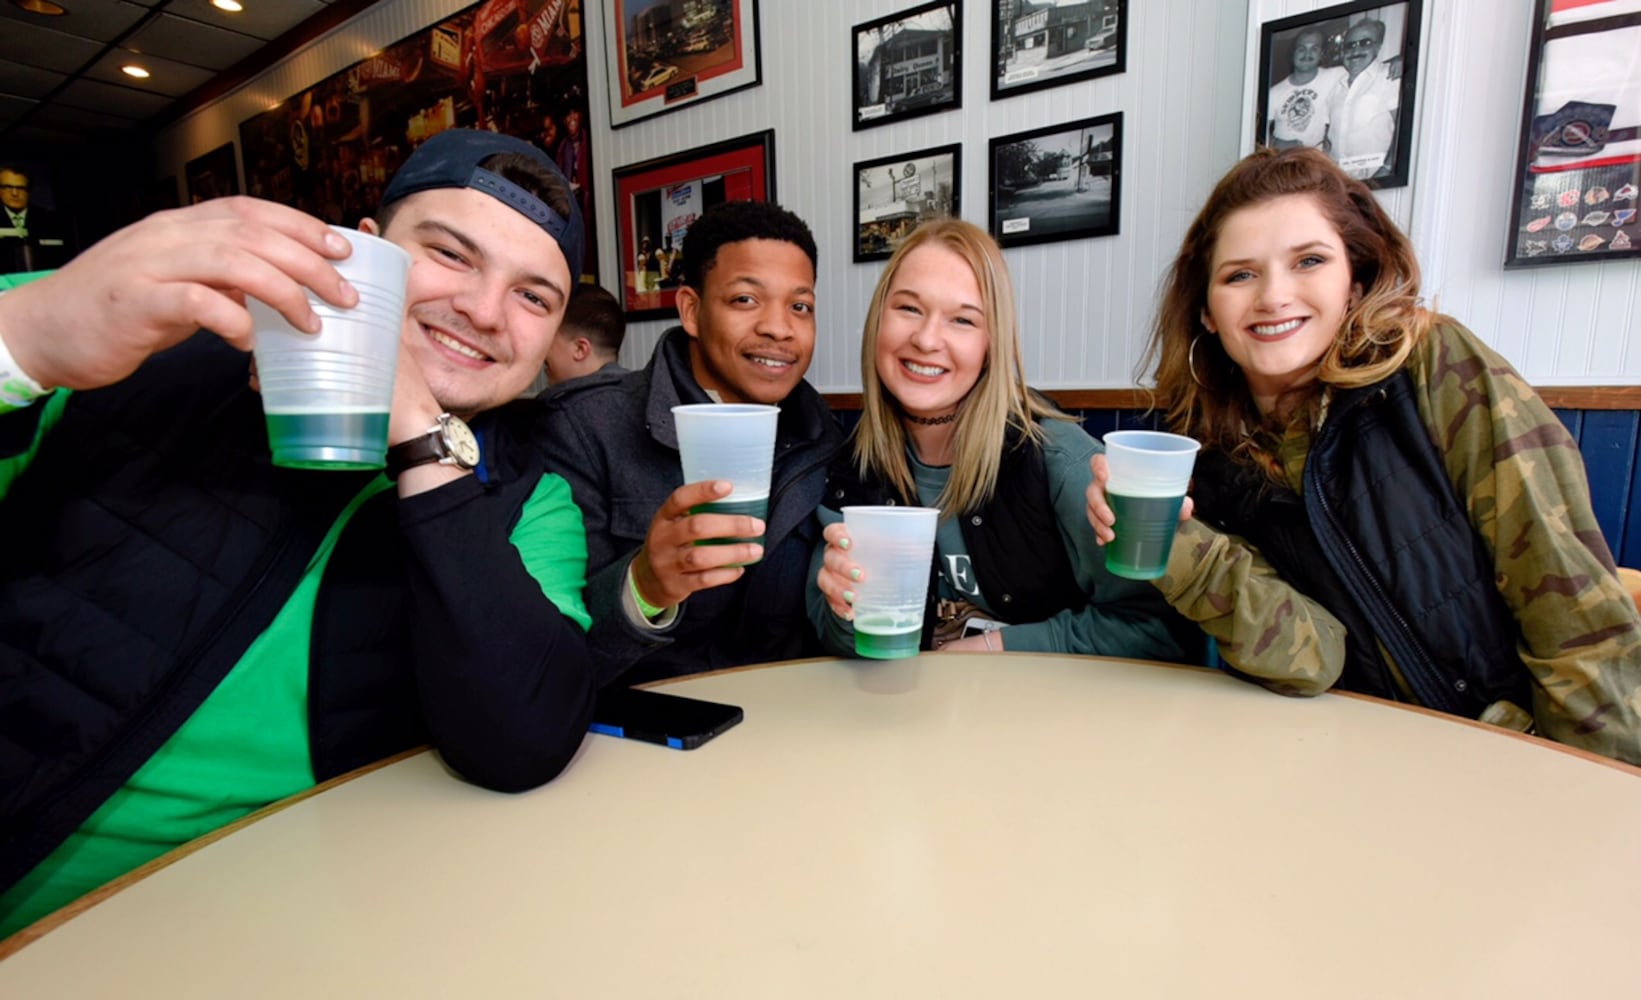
{"type": "Point", "coordinates": [645, 608]}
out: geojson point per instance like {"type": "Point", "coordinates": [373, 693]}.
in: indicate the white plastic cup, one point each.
{"type": "Point", "coordinates": [326, 396]}
{"type": "Point", "coordinates": [1149, 472]}
{"type": "Point", "coordinates": [733, 441]}
{"type": "Point", "coordinates": [894, 547]}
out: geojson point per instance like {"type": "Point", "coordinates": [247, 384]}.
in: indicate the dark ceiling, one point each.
{"type": "Point", "coordinates": [61, 81]}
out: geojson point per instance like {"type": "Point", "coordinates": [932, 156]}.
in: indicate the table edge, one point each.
{"type": "Point", "coordinates": [40, 928]}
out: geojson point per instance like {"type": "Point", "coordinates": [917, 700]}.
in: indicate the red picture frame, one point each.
{"type": "Point", "coordinates": [665, 55]}
{"type": "Point", "coordinates": [655, 202]}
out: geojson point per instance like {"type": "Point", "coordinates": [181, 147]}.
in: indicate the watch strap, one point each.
{"type": "Point", "coordinates": [423, 449]}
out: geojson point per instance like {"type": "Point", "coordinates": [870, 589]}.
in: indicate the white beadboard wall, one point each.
{"type": "Point", "coordinates": [1085, 304]}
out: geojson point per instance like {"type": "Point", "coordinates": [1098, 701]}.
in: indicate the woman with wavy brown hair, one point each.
{"type": "Point", "coordinates": [947, 421]}
{"type": "Point", "coordinates": [1381, 502]}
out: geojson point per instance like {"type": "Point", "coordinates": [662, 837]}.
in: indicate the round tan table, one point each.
{"type": "Point", "coordinates": [950, 826]}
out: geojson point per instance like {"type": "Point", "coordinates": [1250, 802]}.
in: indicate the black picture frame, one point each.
{"type": "Point", "coordinates": [1375, 145]}
{"type": "Point", "coordinates": [1060, 182]}
{"type": "Point", "coordinates": [1577, 178]}
{"type": "Point", "coordinates": [1038, 46]}
{"type": "Point", "coordinates": [659, 61]}
{"type": "Point", "coordinates": [908, 189]}
{"type": "Point", "coordinates": [656, 200]}
{"type": "Point", "coordinates": [907, 64]}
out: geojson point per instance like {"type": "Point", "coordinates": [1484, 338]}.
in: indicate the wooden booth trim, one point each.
{"type": "Point", "coordinates": [1563, 397]}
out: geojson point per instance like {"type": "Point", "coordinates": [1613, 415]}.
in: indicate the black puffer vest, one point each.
{"type": "Point", "coordinates": [158, 487]}
{"type": "Point", "coordinates": [1381, 541]}
{"type": "Point", "coordinates": [1020, 561]}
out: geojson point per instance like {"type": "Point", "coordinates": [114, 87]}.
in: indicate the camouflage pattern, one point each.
{"type": "Point", "coordinates": [1522, 478]}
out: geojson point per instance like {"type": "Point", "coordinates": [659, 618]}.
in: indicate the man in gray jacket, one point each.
{"type": "Point", "coordinates": [662, 605]}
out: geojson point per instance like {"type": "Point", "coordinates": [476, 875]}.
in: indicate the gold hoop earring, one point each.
{"type": "Point", "coordinates": [1191, 361]}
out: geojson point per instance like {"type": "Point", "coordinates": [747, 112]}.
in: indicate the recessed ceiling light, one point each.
{"type": "Point", "coordinates": [231, 6]}
{"type": "Point", "coordinates": [45, 7]}
{"type": "Point", "coordinates": [132, 69]}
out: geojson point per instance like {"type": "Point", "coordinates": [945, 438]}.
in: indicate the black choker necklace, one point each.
{"type": "Point", "coordinates": [933, 421]}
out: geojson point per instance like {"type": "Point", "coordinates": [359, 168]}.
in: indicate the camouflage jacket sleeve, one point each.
{"type": "Point", "coordinates": [1266, 629]}
{"type": "Point", "coordinates": [1522, 478]}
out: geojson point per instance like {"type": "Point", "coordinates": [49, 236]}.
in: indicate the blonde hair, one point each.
{"type": "Point", "coordinates": [1206, 394]}
{"type": "Point", "coordinates": [999, 400]}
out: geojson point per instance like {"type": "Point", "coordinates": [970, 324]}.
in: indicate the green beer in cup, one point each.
{"type": "Point", "coordinates": [733, 441]}
{"type": "Point", "coordinates": [1149, 472]}
{"type": "Point", "coordinates": [327, 395]}
{"type": "Point", "coordinates": [894, 547]}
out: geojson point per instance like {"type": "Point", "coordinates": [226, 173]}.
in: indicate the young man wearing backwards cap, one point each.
{"type": "Point", "coordinates": [188, 633]}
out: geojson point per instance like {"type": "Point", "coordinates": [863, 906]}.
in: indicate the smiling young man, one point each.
{"type": "Point", "coordinates": [188, 633]}
{"type": "Point", "coordinates": [661, 604]}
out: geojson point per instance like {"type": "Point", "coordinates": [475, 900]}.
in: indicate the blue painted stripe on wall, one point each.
{"type": "Point", "coordinates": [1608, 441]}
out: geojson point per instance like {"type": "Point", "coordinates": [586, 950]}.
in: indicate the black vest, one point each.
{"type": "Point", "coordinates": [151, 480]}
{"type": "Point", "coordinates": [1014, 543]}
{"type": "Point", "coordinates": [1380, 539]}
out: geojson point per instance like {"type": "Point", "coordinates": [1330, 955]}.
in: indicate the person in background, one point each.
{"type": "Point", "coordinates": [31, 238]}
{"type": "Point", "coordinates": [188, 633]}
{"type": "Point", "coordinates": [661, 604]}
{"type": "Point", "coordinates": [947, 421]}
{"type": "Point", "coordinates": [1382, 504]}
{"type": "Point", "coordinates": [1299, 103]}
{"type": "Point", "coordinates": [589, 339]}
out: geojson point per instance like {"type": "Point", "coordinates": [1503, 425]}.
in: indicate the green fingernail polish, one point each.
{"type": "Point", "coordinates": [848, 597]}
{"type": "Point", "coordinates": [854, 574]}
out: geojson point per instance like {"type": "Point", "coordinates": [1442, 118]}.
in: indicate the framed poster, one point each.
{"type": "Point", "coordinates": [213, 175]}
{"type": "Point", "coordinates": [668, 54]}
{"type": "Point", "coordinates": [512, 66]}
{"type": "Point", "coordinates": [657, 200]}
{"type": "Point", "coordinates": [908, 64]}
{"type": "Point", "coordinates": [896, 194]}
{"type": "Point", "coordinates": [1046, 44]}
{"type": "Point", "coordinates": [1342, 79]}
{"type": "Point", "coordinates": [1063, 182]}
{"type": "Point", "coordinates": [1578, 166]}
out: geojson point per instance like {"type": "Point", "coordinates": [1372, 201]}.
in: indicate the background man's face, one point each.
{"type": "Point", "coordinates": [1361, 48]}
{"type": "Point", "coordinates": [13, 190]}
{"type": "Point", "coordinates": [1307, 51]}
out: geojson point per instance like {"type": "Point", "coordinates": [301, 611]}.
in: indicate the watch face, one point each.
{"type": "Point", "coordinates": [464, 447]}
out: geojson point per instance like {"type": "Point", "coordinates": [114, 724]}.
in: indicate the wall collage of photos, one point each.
{"type": "Point", "coordinates": [1056, 183]}
{"type": "Point", "coordinates": [512, 66]}
{"type": "Point", "coordinates": [520, 67]}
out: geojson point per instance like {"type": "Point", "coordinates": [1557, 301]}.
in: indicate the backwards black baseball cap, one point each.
{"type": "Point", "coordinates": [451, 159]}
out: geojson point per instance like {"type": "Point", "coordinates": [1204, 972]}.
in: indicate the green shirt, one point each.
{"type": "Point", "coordinates": [247, 744]}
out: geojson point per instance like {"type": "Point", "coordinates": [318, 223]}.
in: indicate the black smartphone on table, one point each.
{"type": "Point", "coordinates": [668, 719]}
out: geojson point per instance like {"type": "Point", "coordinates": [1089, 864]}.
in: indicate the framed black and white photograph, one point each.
{"type": "Point", "coordinates": [1063, 182]}
{"type": "Point", "coordinates": [1052, 42]}
{"type": "Point", "coordinates": [1578, 166]}
{"type": "Point", "coordinates": [895, 194]}
{"type": "Point", "coordinates": [668, 54]}
{"type": "Point", "coordinates": [908, 64]}
{"type": "Point", "coordinates": [1342, 80]}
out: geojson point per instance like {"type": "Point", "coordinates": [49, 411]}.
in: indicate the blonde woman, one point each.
{"type": "Point", "coordinates": [947, 421]}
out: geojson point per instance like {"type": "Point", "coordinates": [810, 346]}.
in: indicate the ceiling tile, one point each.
{"type": "Point", "coordinates": [26, 81]}
{"type": "Point", "coordinates": [172, 79]}
{"type": "Point", "coordinates": [98, 20]}
{"type": "Point", "coordinates": [32, 134]}
{"type": "Point", "coordinates": [41, 47]}
{"type": "Point", "coordinates": [181, 40]}
{"type": "Point", "coordinates": [92, 95]}
{"type": "Point", "coordinates": [76, 119]}
{"type": "Point", "coordinates": [266, 19]}
{"type": "Point", "coordinates": [11, 107]}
